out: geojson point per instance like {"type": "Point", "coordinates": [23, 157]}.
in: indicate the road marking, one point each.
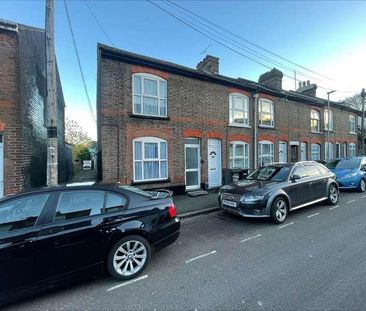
{"type": "Point", "coordinates": [289, 224]}
{"type": "Point", "coordinates": [201, 256]}
{"type": "Point", "coordinates": [127, 283]}
{"type": "Point", "coordinates": [251, 238]}
{"type": "Point", "coordinates": [312, 215]}
{"type": "Point", "coordinates": [350, 201]}
{"type": "Point", "coordinates": [364, 196]}
{"type": "Point", "coordinates": [334, 207]}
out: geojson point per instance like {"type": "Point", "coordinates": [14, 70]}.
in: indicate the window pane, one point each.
{"type": "Point", "coordinates": [79, 204]}
{"type": "Point", "coordinates": [238, 116]}
{"type": "Point", "coordinates": [191, 158]}
{"type": "Point", "coordinates": [315, 114]}
{"type": "Point", "coordinates": [151, 151]}
{"type": "Point", "coordinates": [266, 107]}
{"type": "Point", "coordinates": [192, 178]}
{"type": "Point", "coordinates": [151, 170]}
{"type": "Point", "coordinates": [238, 103]}
{"type": "Point", "coordinates": [162, 86]}
{"type": "Point", "coordinates": [239, 150]}
{"type": "Point", "coordinates": [137, 104]}
{"type": "Point", "coordinates": [150, 87]}
{"type": "Point", "coordinates": [163, 151]}
{"type": "Point", "coordinates": [311, 170]}
{"type": "Point", "coordinates": [239, 163]}
{"type": "Point", "coordinates": [151, 106]}
{"type": "Point", "coordinates": [138, 170]}
{"type": "Point", "coordinates": [265, 119]}
{"type": "Point", "coordinates": [21, 213]}
{"type": "Point", "coordinates": [266, 148]}
{"type": "Point", "coordinates": [162, 111]}
{"type": "Point", "coordinates": [114, 202]}
{"type": "Point", "coordinates": [231, 163]}
{"type": "Point", "coordinates": [138, 151]}
{"type": "Point", "coordinates": [231, 150]}
{"type": "Point", "coordinates": [163, 169]}
{"type": "Point", "coordinates": [137, 85]}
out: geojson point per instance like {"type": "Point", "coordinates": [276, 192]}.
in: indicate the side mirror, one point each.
{"type": "Point", "coordinates": [295, 177]}
{"type": "Point", "coordinates": [363, 168]}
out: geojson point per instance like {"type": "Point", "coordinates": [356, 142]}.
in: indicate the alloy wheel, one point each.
{"type": "Point", "coordinates": [129, 258]}
{"type": "Point", "coordinates": [333, 194]}
{"type": "Point", "coordinates": [362, 185]}
{"type": "Point", "coordinates": [281, 210]}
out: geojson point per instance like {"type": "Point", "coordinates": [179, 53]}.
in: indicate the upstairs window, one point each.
{"type": "Point", "coordinates": [238, 110]}
{"type": "Point", "coordinates": [150, 159]}
{"type": "Point", "coordinates": [328, 124]}
{"type": "Point", "coordinates": [352, 124]}
{"type": "Point", "coordinates": [315, 121]}
{"type": "Point", "coordinates": [239, 154]}
{"type": "Point", "coordinates": [149, 95]}
{"type": "Point", "coordinates": [266, 112]}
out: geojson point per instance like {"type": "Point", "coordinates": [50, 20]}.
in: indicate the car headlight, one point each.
{"type": "Point", "coordinates": [252, 198]}
{"type": "Point", "coordinates": [350, 175]}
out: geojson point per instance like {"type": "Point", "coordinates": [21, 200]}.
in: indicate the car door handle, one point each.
{"type": "Point", "coordinates": [51, 230]}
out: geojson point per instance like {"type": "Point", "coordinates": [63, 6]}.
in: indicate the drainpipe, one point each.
{"type": "Point", "coordinates": [255, 96]}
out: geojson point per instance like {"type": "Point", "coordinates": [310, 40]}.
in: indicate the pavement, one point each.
{"type": "Point", "coordinates": [316, 260]}
{"type": "Point", "coordinates": [186, 206]}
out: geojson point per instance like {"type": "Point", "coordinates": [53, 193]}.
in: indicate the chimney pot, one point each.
{"type": "Point", "coordinates": [308, 82]}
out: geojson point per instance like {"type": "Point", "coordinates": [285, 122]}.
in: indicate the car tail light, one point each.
{"type": "Point", "coordinates": [172, 211]}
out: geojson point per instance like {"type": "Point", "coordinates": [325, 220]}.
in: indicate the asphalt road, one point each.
{"type": "Point", "coordinates": [315, 261]}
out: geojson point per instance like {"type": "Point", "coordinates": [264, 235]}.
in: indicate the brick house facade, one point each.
{"type": "Point", "coordinates": [23, 132]}
{"type": "Point", "coordinates": [145, 106]}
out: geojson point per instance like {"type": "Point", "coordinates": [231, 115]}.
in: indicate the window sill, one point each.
{"type": "Point", "coordinates": [267, 127]}
{"type": "Point", "coordinates": [156, 181]}
{"type": "Point", "coordinates": [141, 116]}
{"type": "Point", "coordinates": [239, 125]}
{"type": "Point", "coordinates": [313, 132]}
{"type": "Point", "coordinates": [352, 133]}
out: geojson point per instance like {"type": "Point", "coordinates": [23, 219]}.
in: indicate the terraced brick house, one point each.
{"type": "Point", "coordinates": [166, 125]}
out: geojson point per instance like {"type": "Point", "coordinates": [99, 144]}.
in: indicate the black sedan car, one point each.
{"type": "Point", "coordinates": [276, 189]}
{"type": "Point", "coordinates": [51, 235]}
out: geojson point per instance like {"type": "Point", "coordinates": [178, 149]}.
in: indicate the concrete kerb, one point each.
{"type": "Point", "coordinates": [199, 212]}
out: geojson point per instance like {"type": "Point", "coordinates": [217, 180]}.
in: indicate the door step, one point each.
{"type": "Point", "coordinates": [197, 193]}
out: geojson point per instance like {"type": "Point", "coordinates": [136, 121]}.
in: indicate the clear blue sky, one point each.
{"type": "Point", "coordinates": [327, 36]}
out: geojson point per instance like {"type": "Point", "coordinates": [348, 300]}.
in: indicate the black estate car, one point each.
{"type": "Point", "coordinates": [276, 189]}
{"type": "Point", "coordinates": [52, 234]}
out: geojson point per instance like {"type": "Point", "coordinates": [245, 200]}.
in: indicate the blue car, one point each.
{"type": "Point", "coordinates": [350, 172]}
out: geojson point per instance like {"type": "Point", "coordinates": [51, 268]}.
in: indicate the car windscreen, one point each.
{"type": "Point", "coordinates": [275, 173]}
{"type": "Point", "coordinates": [345, 163]}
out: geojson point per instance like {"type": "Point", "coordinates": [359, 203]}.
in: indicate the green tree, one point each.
{"type": "Point", "coordinates": [81, 152]}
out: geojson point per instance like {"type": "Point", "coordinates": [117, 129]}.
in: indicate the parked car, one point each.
{"type": "Point", "coordinates": [276, 189]}
{"type": "Point", "coordinates": [55, 234]}
{"type": "Point", "coordinates": [350, 172]}
{"type": "Point", "coordinates": [87, 164]}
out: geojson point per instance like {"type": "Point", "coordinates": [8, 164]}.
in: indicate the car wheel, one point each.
{"type": "Point", "coordinates": [333, 195]}
{"type": "Point", "coordinates": [279, 210]}
{"type": "Point", "coordinates": [362, 186]}
{"type": "Point", "coordinates": [128, 257]}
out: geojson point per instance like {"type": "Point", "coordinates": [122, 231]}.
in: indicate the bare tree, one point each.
{"type": "Point", "coordinates": [75, 135]}
{"type": "Point", "coordinates": [354, 102]}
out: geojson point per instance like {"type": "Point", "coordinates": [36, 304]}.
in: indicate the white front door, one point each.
{"type": "Point", "coordinates": [1, 166]}
{"type": "Point", "coordinates": [192, 171]}
{"type": "Point", "coordinates": [214, 163]}
{"type": "Point", "coordinates": [282, 155]}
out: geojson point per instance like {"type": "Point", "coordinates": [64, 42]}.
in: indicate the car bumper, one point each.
{"type": "Point", "coordinates": [251, 210]}
{"type": "Point", "coordinates": [347, 184]}
{"type": "Point", "coordinates": [170, 232]}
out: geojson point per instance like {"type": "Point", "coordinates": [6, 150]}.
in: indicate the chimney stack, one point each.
{"type": "Point", "coordinates": [210, 65]}
{"type": "Point", "coordinates": [272, 79]}
{"type": "Point", "coordinates": [307, 89]}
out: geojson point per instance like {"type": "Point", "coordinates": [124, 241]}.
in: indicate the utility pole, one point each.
{"type": "Point", "coordinates": [362, 122]}
{"type": "Point", "coordinates": [328, 125]}
{"type": "Point", "coordinates": [52, 143]}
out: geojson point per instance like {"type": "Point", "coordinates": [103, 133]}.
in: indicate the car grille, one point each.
{"type": "Point", "coordinates": [231, 197]}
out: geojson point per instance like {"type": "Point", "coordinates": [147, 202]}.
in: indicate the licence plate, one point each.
{"type": "Point", "coordinates": [229, 203]}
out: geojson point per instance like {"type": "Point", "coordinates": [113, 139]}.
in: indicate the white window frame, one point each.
{"type": "Point", "coordinates": [261, 155]}
{"type": "Point", "coordinates": [245, 110]}
{"type": "Point", "coordinates": [159, 96]}
{"type": "Point", "coordinates": [318, 119]}
{"type": "Point", "coordinates": [260, 113]}
{"type": "Point", "coordinates": [338, 149]}
{"type": "Point", "coordinates": [144, 140]}
{"type": "Point", "coordinates": [329, 156]}
{"type": "Point", "coordinates": [344, 149]}
{"type": "Point", "coordinates": [245, 156]}
{"type": "Point", "coordinates": [330, 118]}
{"type": "Point", "coordinates": [352, 124]}
{"type": "Point", "coordinates": [318, 152]}
{"type": "Point", "coordinates": [351, 150]}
